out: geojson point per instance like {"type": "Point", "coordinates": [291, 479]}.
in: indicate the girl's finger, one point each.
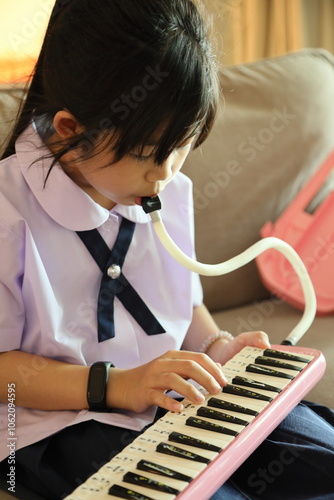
{"type": "Point", "coordinates": [255, 339]}
{"type": "Point", "coordinates": [188, 390]}
{"type": "Point", "coordinates": [205, 362]}
{"type": "Point", "coordinates": [166, 402]}
{"type": "Point", "coordinates": [174, 375]}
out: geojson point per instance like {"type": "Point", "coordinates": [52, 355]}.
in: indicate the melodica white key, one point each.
{"type": "Point", "coordinates": [191, 454]}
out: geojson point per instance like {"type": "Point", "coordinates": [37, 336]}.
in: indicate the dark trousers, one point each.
{"type": "Point", "coordinates": [295, 462]}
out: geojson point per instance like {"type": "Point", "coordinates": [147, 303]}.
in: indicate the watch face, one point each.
{"type": "Point", "coordinates": [97, 387]}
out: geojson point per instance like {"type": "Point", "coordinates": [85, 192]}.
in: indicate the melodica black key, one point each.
{"type": "Point", "coordinates": [145, 482]}
{"type": "Point", "coordinates": [176, 437]}
{"type": "Point", "coordinates": [204, 411]}
{"type": "Point", "coordinates": [160, 470]}
{"type": "Point", "coordinates": [263, 370]}
{"type": "Point", "coordinates": [239, 391]}
{"type": "Point", "coordinates": [209, 426]}
{"type": "Point", "coordinates": [227, 405]}
{"type": "Point", "coordinates": [263, 360]}
{"type": "Point", "coordinates": [175, 451]}
{"type": "Point", "coordinates": [272, 353]}
{"type": "Point", "coordinates": [127, 493]}
{"type": "Point", "coordinates": [248, 382]}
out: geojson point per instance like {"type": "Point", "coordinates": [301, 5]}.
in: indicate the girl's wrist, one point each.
{"type": "Point", "coordinates": [221, 335]}
{"type": "Point", "coordinates": [115, 390]}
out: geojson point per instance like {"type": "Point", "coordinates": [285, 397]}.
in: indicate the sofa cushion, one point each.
{"type": "Point", "coordinates": [275, 127]}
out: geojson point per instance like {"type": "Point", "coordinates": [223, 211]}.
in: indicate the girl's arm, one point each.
{"type": "Point", "coordinates": [43, 383]}
{"type": "Point", "coordinates": [203, 325]}
{"type": "Point", "coordinates": [46, 384]}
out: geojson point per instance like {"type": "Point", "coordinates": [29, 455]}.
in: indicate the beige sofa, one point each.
{"type": "Point", "coordinates": [275, 128]}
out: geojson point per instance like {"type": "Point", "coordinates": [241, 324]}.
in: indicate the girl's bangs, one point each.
{"type": "Point", "coordinates": [182, 106]}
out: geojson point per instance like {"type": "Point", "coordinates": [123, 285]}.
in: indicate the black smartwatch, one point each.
{"type": "Point", "coordinates": [97, 385]}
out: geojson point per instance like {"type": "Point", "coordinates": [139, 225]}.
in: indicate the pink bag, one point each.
{"type": "Point", "coordinates": [308, 226]}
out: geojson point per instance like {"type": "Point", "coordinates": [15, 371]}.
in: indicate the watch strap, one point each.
{"type": "Point", "coordinates": [97, 386]}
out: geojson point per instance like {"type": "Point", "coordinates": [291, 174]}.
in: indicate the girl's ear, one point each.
{"type": "Point", "coordinates": [66, 125]}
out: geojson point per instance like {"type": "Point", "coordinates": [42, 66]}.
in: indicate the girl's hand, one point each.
{"type": "Point", "coordinates": [221, 350]}
{"type": "Point", "coordinates": [139, 388]}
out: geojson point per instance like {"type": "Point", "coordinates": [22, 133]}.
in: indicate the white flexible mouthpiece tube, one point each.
{"type": "Point", "coordinates": [242, 259]}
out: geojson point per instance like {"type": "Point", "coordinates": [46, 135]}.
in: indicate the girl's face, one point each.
{"type": "Point", "coordinates": [128, 180]}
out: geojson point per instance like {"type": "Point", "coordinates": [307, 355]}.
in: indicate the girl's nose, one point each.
{"type": "Point", "coordinates": [161, 172]}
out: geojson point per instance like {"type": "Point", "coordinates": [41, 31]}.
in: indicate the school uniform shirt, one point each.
{"type": "Point", "coordinates": [49, 282]}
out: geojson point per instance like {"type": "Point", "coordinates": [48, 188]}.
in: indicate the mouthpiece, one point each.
{"type": "Point", "coordinates": [150, 205]}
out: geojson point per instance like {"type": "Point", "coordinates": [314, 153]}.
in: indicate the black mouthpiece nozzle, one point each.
{"type": "Point", "coordinates": [286, 342]}
{"type": "Point", "coordinates": [150, 205]}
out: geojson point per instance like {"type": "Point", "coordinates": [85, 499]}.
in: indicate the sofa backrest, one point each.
{"type": "Point", "coordinates": [10, 101]}
{"type": "Point", "coordinates": [275, 128]}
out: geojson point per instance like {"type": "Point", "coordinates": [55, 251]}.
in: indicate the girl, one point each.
{"type": "Point", "coordinates": [122, 91]}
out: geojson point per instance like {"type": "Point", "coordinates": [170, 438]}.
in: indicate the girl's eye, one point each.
{"type": "Point", "coordinates": [141, 158]}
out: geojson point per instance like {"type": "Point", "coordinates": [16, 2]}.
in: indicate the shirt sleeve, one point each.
{"type": "Point", "coordinates": [11, 303]}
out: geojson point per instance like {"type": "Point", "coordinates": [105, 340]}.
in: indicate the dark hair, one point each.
{"type": "Point", "coordinates": [125, 66]}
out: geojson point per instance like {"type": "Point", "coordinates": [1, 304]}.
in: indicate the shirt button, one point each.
{"type": "Point", "coordinates": [114, 272]}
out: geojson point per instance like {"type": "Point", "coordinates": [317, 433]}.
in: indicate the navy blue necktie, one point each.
{"type": "Point", "coordinates": [114, 283]}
